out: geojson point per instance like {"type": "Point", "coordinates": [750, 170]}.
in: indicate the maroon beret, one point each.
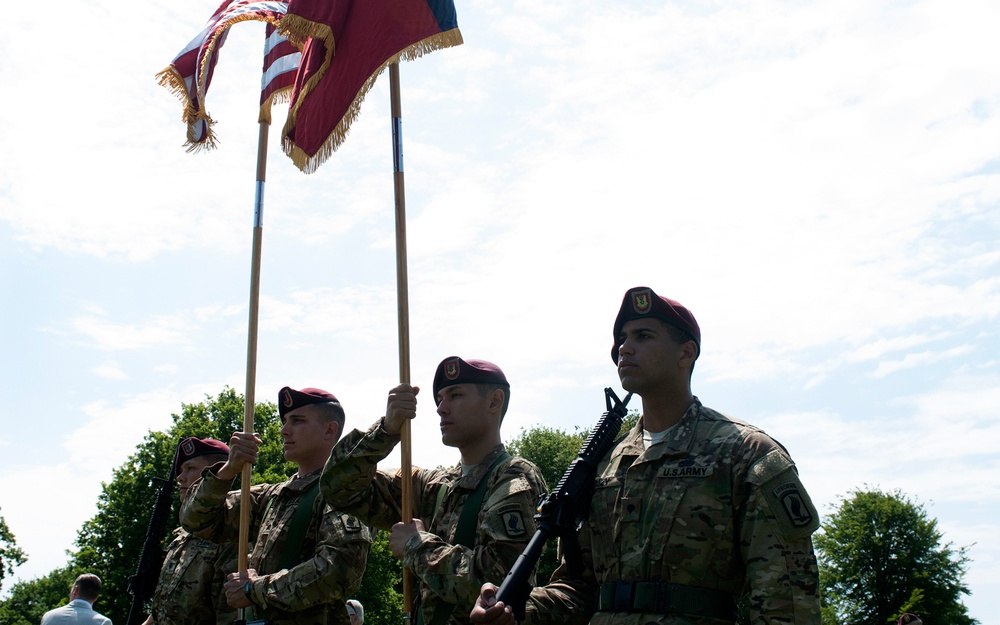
{"type": "Point", "coordinates": [453, 370]}
{"type": "Point", "coordinates": [192, 447]}
{"type": "Point", "coordinates": [909, 618]}
{"type": "Point", "coordinates": [290, 399]}
{"type": "Point", "coordinates": [641, 301]}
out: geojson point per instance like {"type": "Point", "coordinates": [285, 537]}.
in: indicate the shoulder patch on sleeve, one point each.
{"type": "Point", "coordinates": [351, 524]}
{"type": "Point", "coordinates": [778, 483]}
{"type": "Point", "coordinates": [513, 522]}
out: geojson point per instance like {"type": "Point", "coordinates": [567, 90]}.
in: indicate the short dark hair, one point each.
{"type": "Point", "coordinates": [88, 587]}
{"type": "Point", "coordinates": [680, 337]}
{"type": "Point", "coordinates": [214, 458]}
{"type": "Point", "coordinates": [332, 411]}
{"type": "Point", "coordinates": [486, 388]}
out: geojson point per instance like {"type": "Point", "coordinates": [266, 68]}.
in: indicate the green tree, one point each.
{"type": "Point", "coordinates": [10, 554]}
{"type": "Point", "coordinates": [880, 555]}
{"type": "Point", "coordinates": [109, 544]}
{"type": "Point", "coordinates": [380, 591]}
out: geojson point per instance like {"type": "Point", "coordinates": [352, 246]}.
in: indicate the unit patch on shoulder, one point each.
{"type": "Point", "coordinates": [513, 522]}
{"type": "Point", "coordinates": [790, 505]}
{"type": "Point", "coordinates": [794, 505]}
{"type": "Point", "coordinates": [780, 486]}
{"type": "Point", "coordinates": [351, 523]}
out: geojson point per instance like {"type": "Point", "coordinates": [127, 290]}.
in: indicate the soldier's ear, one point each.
{"type": "Point", "coordinates": [496, 399]}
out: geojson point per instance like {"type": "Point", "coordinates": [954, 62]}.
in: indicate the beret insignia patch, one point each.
{"type": "Point", "coordinates": [641, 301]}
{"type": "Point", "coordinates": [187, 447]}
{"type": "Point", "coordinates": [451, 369]}
{"type": "Point", "coordinates": [287, 399]}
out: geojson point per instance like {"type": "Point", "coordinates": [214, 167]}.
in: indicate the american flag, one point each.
{"type": "Point", "coordinates": [190, 73]}
{"type": "Point", "coordinates": [281, 61]}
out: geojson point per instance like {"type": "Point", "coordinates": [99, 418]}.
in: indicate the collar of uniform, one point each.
{"type": "Point", "coordinates": [299, 484]}
{"type": "Point", "coordinates": [471, 481]}
{"type": "Point", "coordinates": [677, 443]}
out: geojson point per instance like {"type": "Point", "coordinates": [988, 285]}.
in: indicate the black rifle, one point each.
{"type": "Point", "coordinates": [143, 583]}
{"type": "Point", "coordinates": [562, 512]}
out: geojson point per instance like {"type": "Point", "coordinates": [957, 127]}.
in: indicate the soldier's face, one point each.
{"type": "Point", "coordinates": [464, 414]}
{"type": "Point", "coordinates": [304, 435]}
{"type": "Point", "coordinates": [648, 358]}
{"type": "Point", "coordinates": [190, 472]}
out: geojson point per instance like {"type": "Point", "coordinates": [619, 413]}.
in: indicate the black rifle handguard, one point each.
{"type": "Point", "coordinates": [142, 585]}
{"type": "Point", "coordinates": [562, 512]}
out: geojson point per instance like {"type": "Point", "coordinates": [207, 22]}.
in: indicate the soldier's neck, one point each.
{"type": "Point", "coordinates": [661, 411]}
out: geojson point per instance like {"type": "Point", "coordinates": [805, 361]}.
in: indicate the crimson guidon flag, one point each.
{"type": "Point", "coordinates": [346, 45]}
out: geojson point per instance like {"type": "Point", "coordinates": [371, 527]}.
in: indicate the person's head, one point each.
{"type": "Point", "coordinates": [86, 587]}
{"type": "Point", "coordinates": [356, 611]}
{"type": "Point", "coordinates": [646, 319]}
{"type": "Point", "coordinates": [472, 397]}
{"type": "Point", "coordinates": [312, 421]}
{"type": "Point", "coordinates": [193, 455]}
{"type": "Point", "coordinates": [910, 619]}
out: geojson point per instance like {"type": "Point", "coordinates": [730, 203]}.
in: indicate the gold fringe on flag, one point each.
{"type": "Point", "coordinates": [309, 164]}
{"type": "Point", "coordinates": [281, 96]}
{"type": "Point", "coordinates": [174, 82]}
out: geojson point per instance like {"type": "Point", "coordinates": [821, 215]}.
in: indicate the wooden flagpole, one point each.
{"type": "Point", "coordinates": [402, 305]}
{"type": "Point", "coordinates": [248, 412]}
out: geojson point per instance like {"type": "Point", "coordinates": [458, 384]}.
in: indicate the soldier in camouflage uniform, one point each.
{"type": "Point", "coordinates": [472, 397]}
{"type": "Point", "coordinates": [691, 508]}
{"type": "Point", "coordinates": [294, 577]}
{"type": "Point", "coordinates": [190, 589]}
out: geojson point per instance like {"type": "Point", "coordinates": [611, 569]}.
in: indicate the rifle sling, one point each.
{"type": "Point", "coordinates": [465, 534]}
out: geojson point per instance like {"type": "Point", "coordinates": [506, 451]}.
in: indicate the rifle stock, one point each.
{"type": "Point", "coordinates": [147, 573]}
{"type": "Point", "coordinates": [563, 511]}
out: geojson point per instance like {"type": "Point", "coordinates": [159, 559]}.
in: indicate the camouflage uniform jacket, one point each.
{"type": "Point", "coordinates": [331, 563]}
{"type": "Point", "coordinates": [718, 504]}
{"type": "Point", "coordinates": [447, 571]}
{"type": "Point", "coordinates": [190, 590]}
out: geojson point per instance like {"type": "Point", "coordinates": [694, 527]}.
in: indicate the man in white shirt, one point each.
{"type": "Point", "coordinates": [80, 609]}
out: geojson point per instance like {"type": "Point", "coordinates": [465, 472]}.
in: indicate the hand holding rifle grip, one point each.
{"type": "Point", "coordinates": [563, 511]}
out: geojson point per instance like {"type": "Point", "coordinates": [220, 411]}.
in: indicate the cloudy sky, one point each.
{"type": "Point", "coordinates": [818, 181]}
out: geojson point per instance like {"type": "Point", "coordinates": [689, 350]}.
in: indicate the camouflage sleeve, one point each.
{"type": "Point", "coordinates": [566, 600]}
{"type": "Point", "coordinates": [352, 483]}
{"type": "Point", "coordinates": [505, 525]}
{"type": "Point", "coordinates": [226, 561]}
{"type": "Point", "coordinates": [332, 574]}
{"type": "Point", "coordinates": [777, 523]}
{"type": "Point", "coordinates": [209, 511]}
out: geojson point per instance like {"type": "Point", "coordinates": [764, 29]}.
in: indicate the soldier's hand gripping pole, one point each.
{"type": "Point", "coordinates": [562, 512]}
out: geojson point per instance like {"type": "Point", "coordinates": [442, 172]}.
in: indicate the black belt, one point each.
{"type": "Point", "coordinates": [664, 598]}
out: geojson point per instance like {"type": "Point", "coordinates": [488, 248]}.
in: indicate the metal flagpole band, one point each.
{"type": "Point", "coordinates": [258, 205]}
{"type": "Point", "coordinates": [397, 145]}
